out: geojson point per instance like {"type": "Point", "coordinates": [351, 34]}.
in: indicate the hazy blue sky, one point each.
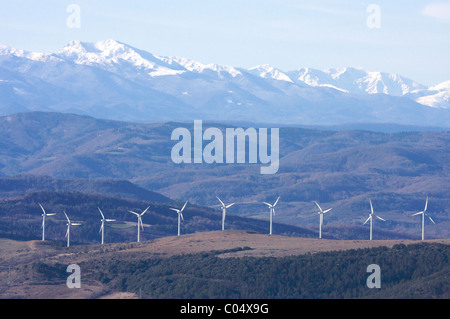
{"type": "Point", "coordinates": [413, 38]}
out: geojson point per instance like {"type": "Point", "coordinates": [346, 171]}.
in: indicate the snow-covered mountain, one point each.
{"type": "Point", "coordinates": [110, 79]}
{"type": "Point", "coordinates": [357, 81]}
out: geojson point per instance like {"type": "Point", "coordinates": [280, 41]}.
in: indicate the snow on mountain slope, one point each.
{"type": "Point", "coordinates": [357, 81]}
{"type": "Point", "coordinates": [197, 67]}
{"type": "Point", "coordinates": [269, 72]}
{"type": "Point", "coordinates": [116, 57]}
{"type": "Point", "coordinates": [117, 81]}
{"type": "Point", "coordinates": [437, 96]}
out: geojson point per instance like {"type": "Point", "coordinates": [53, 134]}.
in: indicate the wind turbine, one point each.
{"type": "Point", "coordinates": [180, 214]}
{"type": "Point", "coordinates": [272, 212]}
{"type": "Point", "coordinates": [424, 213]}
{"type": "Point", "coordinates": [69, 223]}
{"type": "Point", "coordinates": [103, 220]}
{"type": "Point", "coordinates": [139, 224]}
{"type": "Point", "coordinates": [43, 221]}
{"type": "Point", "coordinates": [371, 218]}
{"type": "Point", "coordinates": [321, 218]}
{"type": "Point", "coordinates": [224, 211]}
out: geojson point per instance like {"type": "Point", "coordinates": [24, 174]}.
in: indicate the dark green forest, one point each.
{"type": "Point", "coordinates": [413, 271]}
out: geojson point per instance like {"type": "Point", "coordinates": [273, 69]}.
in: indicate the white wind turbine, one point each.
{"type": "Point", "coordinates": [272, 212]}
{"type": "Point", "coordinates": [424, 213]}
{"type": "Point", "coordinates": [180, 214]}
{"type": "Point", "coordinates": [139, 224]}
{"type": "Point", "coordinates": [224, 211]}
{"type": "Point", "coordinates": [103, 220]}
{"type": "Point", "coordinates": [43, 221]}
{"type": "Point", "coordinates": [321, 212]}
{"type": "Point", "coordinates": [371, 218]}
{"type": "Point", "coordinates": [69, 223]}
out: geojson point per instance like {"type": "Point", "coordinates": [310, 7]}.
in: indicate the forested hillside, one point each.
{"type": "Point", "coordinates": [413, 271]}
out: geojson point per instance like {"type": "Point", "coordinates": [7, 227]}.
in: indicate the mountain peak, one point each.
{"type": "Point", "coordinates": [267, 71]}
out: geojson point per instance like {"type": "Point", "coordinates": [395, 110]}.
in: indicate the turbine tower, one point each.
{"type": "Point", "coordinates": [424, 213]}
{"type": "Point", "coordinates": [43, 221]}
{"type": "Point", "coordinates": [69, 223]}
{"type": "Point", "coordinates": [321, 212]}
{"type": "Point", "coordinates": [272, 212]}
{"type": "Point", "coordinates": [103, 220]}
{"type": "Point", "coordinates": [224, 211]}
{"type": "Point", "coordinates": [139, 224]}
{"type": "Point", "coordinates": [180, 214]}
{"type": "Point", "coordinates": [371, 215]}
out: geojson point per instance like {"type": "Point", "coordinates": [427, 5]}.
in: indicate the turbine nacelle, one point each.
{"type": "Point", "coordinates": [69, 224]}
{"type": "Point", "coordinates": [272, 212]}
{"type": "Point", "coordinates": [320, 209]}
{"type": "Point", "coordinates": [370, 218]}
{"type": "Point", "coordinates": [321, 212]}
{"type": "Point", "coordinates": [180, 214]}
{"type": "Point", "coordinates": [180, 211]}
{"type": "Point", "coordinates": [224, 211]}
{"type": "Point", "coordinates": [140, 225]}
{"type": "Point", "coordinates": [424, 212]}
{"type": "Point", "coordinates": [103, 220]}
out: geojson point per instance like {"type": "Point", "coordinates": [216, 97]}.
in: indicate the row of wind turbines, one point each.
{"type": "Point", "coordinates": [224, 207]}
{"type": "Point", "coordinates": [371, 218]}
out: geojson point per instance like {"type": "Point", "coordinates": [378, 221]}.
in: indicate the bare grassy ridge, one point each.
{"type": "Point", "coordinates": [261, 245]}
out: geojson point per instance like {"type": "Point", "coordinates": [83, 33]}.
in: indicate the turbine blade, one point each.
{"type": "Point", "coordinates": [318, 206]}
{"type": "Point", "coordinates": [51, 214]}
{"type": "Point", "coordinates": [380, 218]}
{"type": "Point", "coordinates": [417, 213]}
{"type": "Point", "coordinates": [67, 232]}
{"type": "Point", "coordinates": [184, 206]}
{"type": "Point", "coordinates": [371, 207]}
{"type": "Point", "coordinates": [431, 219]}
{"type": "Point", "coordinates": [133, 213]}
{"type": "Point", "coordinates": [175, 210]}
{"type": "Point", "coordinates": [326, 211]}
{"type": "Point", "coordinates": [367, 220]}
{"type": "Point", "coordinates": [267, 204]}
{"type": "Point", "coordinates": [101, 227]}
{"type": "Point", "coordinates": [75, 224]}
{"type": "Point", "coordinates": [67, 217]}
{"type": "Point", "coordinates": [273, 210]}
{"type": "Point", "coordinates": [276, 201]}
{"type": "Point", "coordinates": [181, 216]}
{"type": "Point", "coordinates": [110, 220]}
{"type": "Point", "coordinates": [42, 209]}
{"type": "Point", "coordinates": [426, 205]}
{"type": "Point", "coordinates": [220, 201]}
{"type": "Point", "coordinates": [145, 210]}
{"type": "Point", "coordinates": [229, 205]}
{"type": "Point", "coordinates": [101, 212]}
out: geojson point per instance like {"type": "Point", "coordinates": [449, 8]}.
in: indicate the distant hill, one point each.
{"type": "Point", "coordinates": [22, 184]}
{"type": "Point", "coordinates": [338, 169]}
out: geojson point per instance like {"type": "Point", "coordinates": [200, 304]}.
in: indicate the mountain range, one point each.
{"type": "Point", "coordinates": [113, 80]}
